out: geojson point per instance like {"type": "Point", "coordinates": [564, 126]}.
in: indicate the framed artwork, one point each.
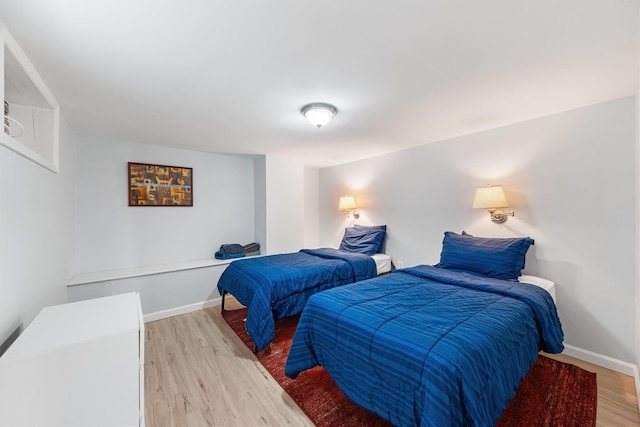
{"type": "Point", "coordinates": [157, 185]}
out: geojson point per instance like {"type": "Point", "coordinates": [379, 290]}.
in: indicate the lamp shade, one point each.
{"type": "Point", "coordinates": [491, 196]}
{"type": "Point", "coordinates": [347, 203]}
{"type": "Point", "coordinates": [319, 114]}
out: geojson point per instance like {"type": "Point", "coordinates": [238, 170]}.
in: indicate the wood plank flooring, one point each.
{"type": "Point", "coordinates": [199, 373]}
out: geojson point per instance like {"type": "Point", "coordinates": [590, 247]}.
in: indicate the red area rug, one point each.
{"type": "Point", "coordinates": [553, 394]}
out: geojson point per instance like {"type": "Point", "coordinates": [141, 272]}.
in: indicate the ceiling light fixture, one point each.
{"type": "Point", "coordinates": [319, 113]}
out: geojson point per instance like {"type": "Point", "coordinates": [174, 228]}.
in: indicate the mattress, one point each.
{"type": "Point", "coordinates": [383, 263]}
{"type": "Point", "coordinates": [545, 284]}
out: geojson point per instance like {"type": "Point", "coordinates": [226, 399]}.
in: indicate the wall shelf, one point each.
{"type": "Point", "coordinates": [32, 114]}
{"type": "Point", "coordinates": [125, 273]}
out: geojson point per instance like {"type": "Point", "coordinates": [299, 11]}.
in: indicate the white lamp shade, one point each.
{"type": "Point", "coordinates": [318, 117]}
{"type": "Point", "coordinates": [491, 196]}
{"type": "Point", "coordinates": [347, 203]}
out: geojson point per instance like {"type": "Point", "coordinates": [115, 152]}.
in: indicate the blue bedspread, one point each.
{"type": "Point", "coordinates": [278, 286]}
{"type": "Point", "coordinates": [427, 346]}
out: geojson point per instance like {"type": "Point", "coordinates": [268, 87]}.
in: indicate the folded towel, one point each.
{"type": "Point", "coordinates": [224, 255]}
{"type": "Point", "coordinates": [232, 248]}
{"type": "Point", "coordinates": [251, 247]}
{"type": "Point", "coordinates": [229, 251]}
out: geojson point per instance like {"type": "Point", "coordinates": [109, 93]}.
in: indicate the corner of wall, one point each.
{"type": "Point", "coordinates": [260, 202]}
{"type": "Point", "coordinates": [637, 222]}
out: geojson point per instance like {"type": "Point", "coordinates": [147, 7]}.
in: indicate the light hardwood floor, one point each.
{"type": "Point", "coordinates": [199, 373]}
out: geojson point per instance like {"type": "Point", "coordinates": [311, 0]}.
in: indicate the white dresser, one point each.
{"type": "Point", "coordinates": [77, 364]}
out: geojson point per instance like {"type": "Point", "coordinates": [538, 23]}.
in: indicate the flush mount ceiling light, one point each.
{"type": "Point", "coordinates": [319, 113]}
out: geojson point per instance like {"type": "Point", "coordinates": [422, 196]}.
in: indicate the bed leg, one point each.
{"type": "Point", "coordinates": [255, 349]}
{"type": "Point", "coordinates": [222, 305]}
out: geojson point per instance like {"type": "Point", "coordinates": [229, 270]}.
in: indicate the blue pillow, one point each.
{"type": "Point", "coordinates": [533, 242]}
{"type": "Point", "coordinates": [371, 227]}
{"type": "Point", "coordinates": [501, 258]}
{"type": "Point", "coordinates": [362, 239]}
{"type": "Point", "coordinates": [382, 228]}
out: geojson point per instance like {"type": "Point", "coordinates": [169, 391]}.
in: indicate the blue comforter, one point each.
{"type": "Point", "coordinates": [427, 346]}
{"type": "Point", "coordinates": [278, 286]}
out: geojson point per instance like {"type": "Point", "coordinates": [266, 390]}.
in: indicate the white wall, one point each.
{"type": "Point", "coordinates": [236, 200]}
{"type": "Point", "coordinates": [161, 295]}
{"type": "Point", "coordinates": [286, 204]}
{"type": "Point", "coordinates": [638, 243]}
{"type": "Point", "coordinates": [260, 202]}
{"type": "Point", "coordinates": [284, 183]}
{"type": "Point", "coordinates": [111, 235]}
{"type": "Point", "coordinates": [570, 178]}
{"type": "Point", "coordinates": [311, 207]}
{"type": "Point", "coordinates": [36, 234]}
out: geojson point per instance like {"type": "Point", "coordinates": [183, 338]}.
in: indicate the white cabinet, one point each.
{"type": "Point", "coordinates": [77, 364]}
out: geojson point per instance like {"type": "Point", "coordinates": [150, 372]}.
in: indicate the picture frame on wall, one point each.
{"type": "Point", "coordinates": [159, 185]}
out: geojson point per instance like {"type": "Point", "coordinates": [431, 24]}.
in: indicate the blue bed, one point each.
{"type": "Point", "coordinates": [426, 345]}
{"type": "Point", "coordinates": [278, 286]}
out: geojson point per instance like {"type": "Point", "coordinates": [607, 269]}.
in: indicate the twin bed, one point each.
{"type": "Point", "coordinates": [277, 286]}
{"type": "Point", "coordinates": [442, 345]}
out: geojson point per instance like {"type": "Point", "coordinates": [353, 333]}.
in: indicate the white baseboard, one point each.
{"type": "Point", "coordinates": [181, 310]}
{"type": "Point", "coordinates": [601, 360]}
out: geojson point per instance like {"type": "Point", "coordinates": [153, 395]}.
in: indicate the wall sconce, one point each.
{"type": "Point", "coordinates": [348, 206]}
{"type": "Point", "coordinates": [491, 198]}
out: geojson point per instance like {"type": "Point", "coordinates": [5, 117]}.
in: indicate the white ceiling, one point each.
{"type": "Point", "coordinates": [230, 76]}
